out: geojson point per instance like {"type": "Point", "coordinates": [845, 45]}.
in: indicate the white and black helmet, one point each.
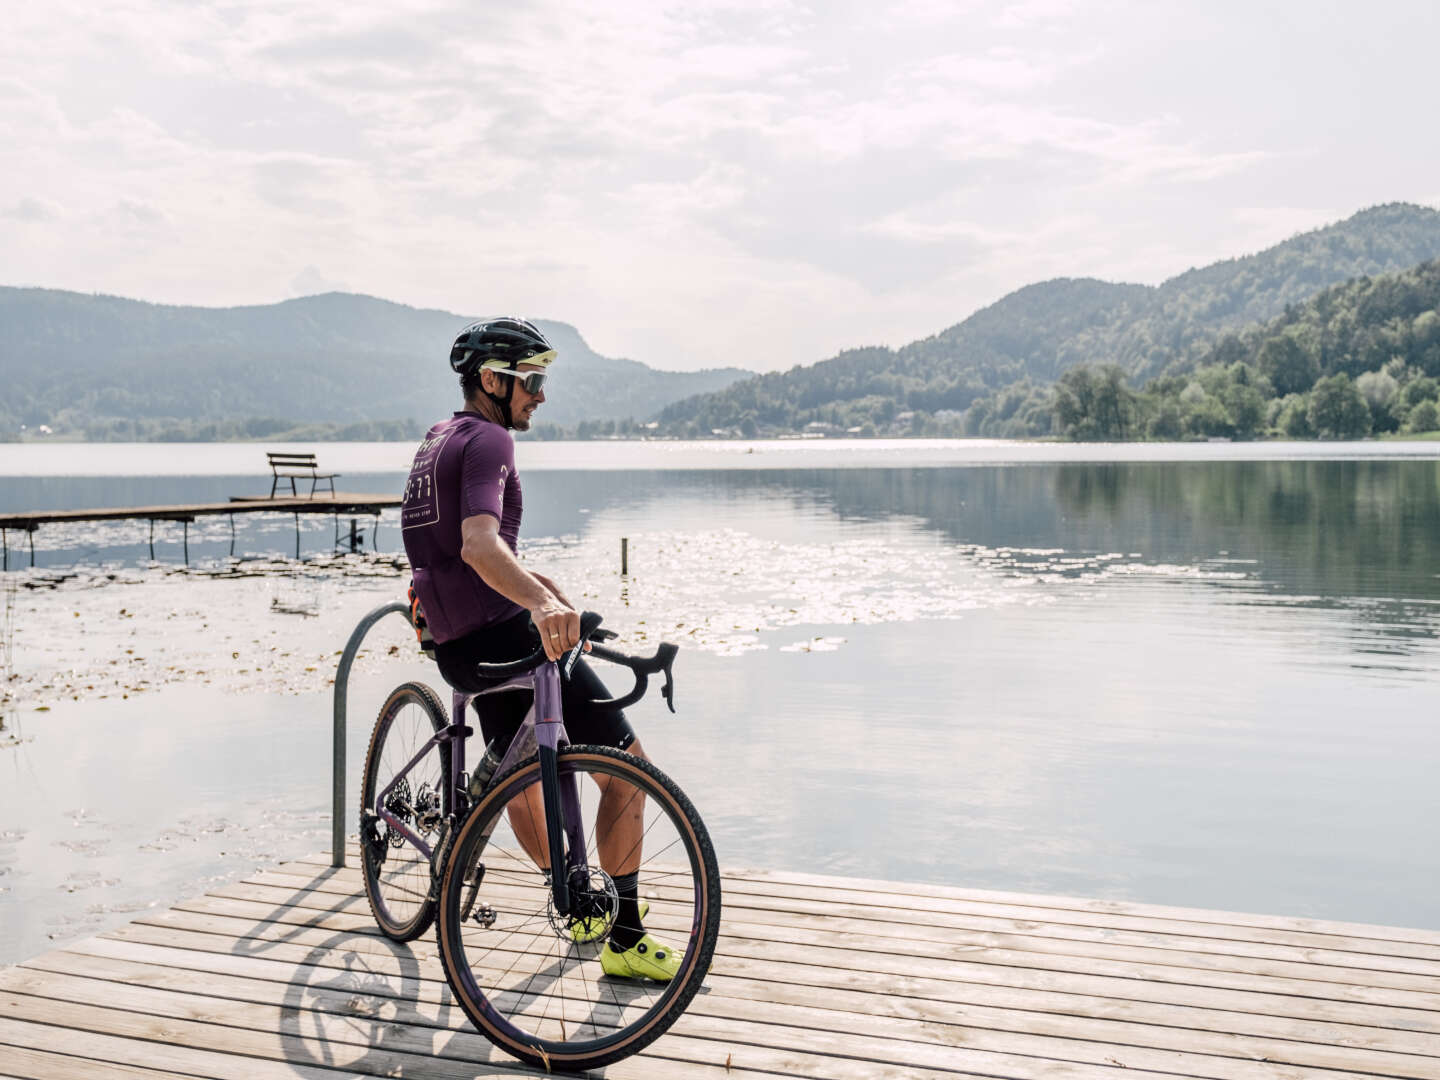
{"type": "Point", "coordinates": [506, 342]}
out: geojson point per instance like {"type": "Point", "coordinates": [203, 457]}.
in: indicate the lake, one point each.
{"type": "Point", "coordinates": [1201, 675]}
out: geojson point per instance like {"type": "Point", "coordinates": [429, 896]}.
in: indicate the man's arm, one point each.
{"type": "Point", "coordinates": [550, 584]}
{"type": "Point", "coordinates": [489, 556]}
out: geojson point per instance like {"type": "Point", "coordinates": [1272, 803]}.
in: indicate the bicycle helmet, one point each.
{"type": "Point", "coordinates": [506, 342]}
{"type": "Point", "coordinates": [500, 343]}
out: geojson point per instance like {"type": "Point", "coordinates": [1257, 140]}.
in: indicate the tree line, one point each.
{"type": "Point", "coordinates": [1358, 359]}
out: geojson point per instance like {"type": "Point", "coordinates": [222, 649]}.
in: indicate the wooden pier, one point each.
{"type": "Point", "coordinates": [335, 504]}
{"type": "Point", "coordinates": [284, 975]}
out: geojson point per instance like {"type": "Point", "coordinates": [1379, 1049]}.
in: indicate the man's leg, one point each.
{"type": "Point", "coordinates": [620, 822]}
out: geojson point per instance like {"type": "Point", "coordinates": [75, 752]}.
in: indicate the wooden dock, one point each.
{"type": "Point", "coordinates": [336, 504]}
{"type": "Point", "coordinates": [284, 975]}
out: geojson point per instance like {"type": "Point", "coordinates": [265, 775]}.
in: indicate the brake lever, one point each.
{"type": "Point", "coordinates": [666, 653]}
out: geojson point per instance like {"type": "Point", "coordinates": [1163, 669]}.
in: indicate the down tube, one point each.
{"type": "Point", "coordinates": [549, 736]}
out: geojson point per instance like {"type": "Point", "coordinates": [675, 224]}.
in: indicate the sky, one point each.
{"type": "Point", "coordinates": [753, 183]}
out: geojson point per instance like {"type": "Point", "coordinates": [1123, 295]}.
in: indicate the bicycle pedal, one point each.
{"type": "Point", "coordinates": [484, 916]}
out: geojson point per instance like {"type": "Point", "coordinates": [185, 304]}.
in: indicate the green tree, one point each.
{"type": "Point", "coordinates": [1337, 410]}
{"type": "Point", "coordinates": [1423, 417]}
{"type": "Point", "coordinates": [1246, 407]}
{"type": "Point", "coordinates": [1095, 404]}
{"type": "Point", "coordinates": [1168, 423]}
{"type": "Point", "coordinates": [1293, 420]}
{"type": "Point", "coordinates": [1291, 367]}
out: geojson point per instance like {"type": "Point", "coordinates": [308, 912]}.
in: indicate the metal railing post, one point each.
{"type": "Point", "coordinates": [342, 679]}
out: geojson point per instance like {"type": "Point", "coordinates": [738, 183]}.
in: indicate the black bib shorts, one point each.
{"type": "Point", "coordinates": [502, 714]}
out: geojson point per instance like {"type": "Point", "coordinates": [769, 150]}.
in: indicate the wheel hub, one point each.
{"type": "Point", "coordinates": [593, 899]}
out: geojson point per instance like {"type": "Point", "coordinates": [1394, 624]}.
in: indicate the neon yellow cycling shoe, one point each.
{"type": "Point", "coordinates": [584, 931]}
{"type": "Point", "coordinates": [646, 959]}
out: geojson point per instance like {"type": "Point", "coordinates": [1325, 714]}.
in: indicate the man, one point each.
{"type": "Point", "coordinates": [460, 519]}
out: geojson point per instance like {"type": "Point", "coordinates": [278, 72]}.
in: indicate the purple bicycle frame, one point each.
{"type": "Point", "coordinates": [543, 726]}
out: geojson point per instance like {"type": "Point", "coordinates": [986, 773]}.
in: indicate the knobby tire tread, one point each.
{"type": "Point", "coordinates": [430, 702]}
{"type": "Point", "coordinates": [709, 934]}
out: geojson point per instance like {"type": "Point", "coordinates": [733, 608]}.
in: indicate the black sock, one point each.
{"type": "Point", "coordinates": [628, 929]}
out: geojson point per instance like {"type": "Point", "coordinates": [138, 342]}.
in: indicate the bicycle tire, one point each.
{"type": "Point", "coordinates": [398, 876]}
{"type": "Point", "coordinates": [683, 908]}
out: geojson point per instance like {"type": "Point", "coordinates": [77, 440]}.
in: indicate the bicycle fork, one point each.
{"type": "Point", "coordinates": [561, 794]}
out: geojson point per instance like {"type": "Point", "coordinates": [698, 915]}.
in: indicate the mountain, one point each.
{"type": "Point", "coordinates": [101, 363]}
{"type": "Point", "coordinates": [1035, 334]}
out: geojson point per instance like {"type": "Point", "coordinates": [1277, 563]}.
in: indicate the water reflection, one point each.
{"type": "Point", "coordinates": [1224, 700]}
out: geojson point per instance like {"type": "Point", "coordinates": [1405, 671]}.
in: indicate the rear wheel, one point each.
{"type": "Point", "coordinates": [530, 978]}
{"type": "Point", "coordinates": [397, 873]}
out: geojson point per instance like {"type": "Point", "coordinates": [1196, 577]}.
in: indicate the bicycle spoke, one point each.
{"type": "Point", "coordinates": [548, 987]}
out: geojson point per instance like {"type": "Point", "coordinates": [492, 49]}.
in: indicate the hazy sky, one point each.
{"type": "Point", "coordinates": [757, 183]}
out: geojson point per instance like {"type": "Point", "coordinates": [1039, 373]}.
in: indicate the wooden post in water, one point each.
{"type": "Point", "coordinates": [186, 523]}
{"type": "Point", "coordinates": [624, 556]}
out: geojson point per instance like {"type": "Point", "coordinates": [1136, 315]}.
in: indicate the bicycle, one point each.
{"type": "Point", "coordinates": [474, 855]}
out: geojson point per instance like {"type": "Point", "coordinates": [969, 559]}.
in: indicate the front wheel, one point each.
{"type": "Point", "coordinates": [397, 873]}
{"type": "Point", "coordinates": [529, 977]}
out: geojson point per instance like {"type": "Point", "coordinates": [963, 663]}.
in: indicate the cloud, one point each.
{"type": "Point", "coordinates": [31, 210]}
{"type": "Point", "coordinates": [815, 176]}
{"type": "Point", "coordinates": [310, 282]}
{"type": "Point", "coordinates": [138, 213]}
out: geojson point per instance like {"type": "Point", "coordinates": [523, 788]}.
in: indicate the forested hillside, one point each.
{"type": "Point", "coordinates": [337, 364]}
{"type": "Point", "coordinates": [997, 366]}
{"type": "Point", "coordinates": [1358, 359]}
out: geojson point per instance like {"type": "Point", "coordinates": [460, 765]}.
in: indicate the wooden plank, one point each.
{"type": "Point", "coordinates": [878, 993]}
{"type": "Point", "coordinates": [455, 1054]}
{"type": "Point", "coordinates": [1299, 997]}
{"type": "Point", "coordinates": [1160, 964]}
{"type": "Point", "coordinates": [1100, 907]}
{"type": "Point", "coordinates": [913, 901]}
{"type": "Point", "coordinates": [753, 1001]}
{"type": "Point", "coordinates": [24, 1063]}
{"type": "Point", "coordinates": [341, 502]}
{"type": "Point", "coordinates": [101, 1048]}
{"type": "Point", "coordinates": [828, 979]}
{"type": "Point", "coordinates": [839, 935]}
{"type": "Point", "coordinates": [918, 922]}
{"type": "Point", "coordinates": [428, 968]}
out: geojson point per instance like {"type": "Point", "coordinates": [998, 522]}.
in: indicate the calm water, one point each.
{"type": "Point", "coordinates": [1209, 683]}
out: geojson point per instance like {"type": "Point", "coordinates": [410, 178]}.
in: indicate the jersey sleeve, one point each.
{"type": "Point", "coordinates": [488, 465]}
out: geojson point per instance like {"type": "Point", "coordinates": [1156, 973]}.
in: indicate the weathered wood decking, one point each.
{"type": "Point", "coordinates": [284, 975]}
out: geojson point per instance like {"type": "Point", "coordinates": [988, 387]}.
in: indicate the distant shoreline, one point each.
{"type": "Point", "coordinates": [287, 439]}
{"type": "Point", "coordinates": [383, 462]}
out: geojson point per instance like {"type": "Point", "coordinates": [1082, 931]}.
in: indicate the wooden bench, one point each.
{"type": "Point", "coordinates": [294, 467]}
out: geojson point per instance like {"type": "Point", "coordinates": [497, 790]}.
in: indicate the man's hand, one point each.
{"type": "Point", "coordinates": [559, 626]}
{"type": "Point", "coordinates": [549, 583]}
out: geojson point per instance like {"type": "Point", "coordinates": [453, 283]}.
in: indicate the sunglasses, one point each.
{"type": "Point", "coordinates": [531, 380]}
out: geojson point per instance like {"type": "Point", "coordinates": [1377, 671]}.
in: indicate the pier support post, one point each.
{"type": "Point", "coordinates": [32, 549]}
{"type": "Point", "coordinates": [337, 750]}
{"type": "Point", "coordinates": [152, 539]}
{"type": "Point", "coordinates": [297, 534]}
{"type": "Point", "coordinates": [232, 534]}
{"type": "Point", "coordinates": [5, 539]}
{"type": "Point", "coordinates": [187, 542]}
{"type": "Point", "coordinates": [624, 556]}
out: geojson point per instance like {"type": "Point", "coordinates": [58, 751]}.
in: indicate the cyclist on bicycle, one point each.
{"type": "Point", "coordinates": [460, 520]}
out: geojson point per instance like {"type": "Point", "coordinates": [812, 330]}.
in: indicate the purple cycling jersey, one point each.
{"type": "Point", "coordinates": [465, 466]}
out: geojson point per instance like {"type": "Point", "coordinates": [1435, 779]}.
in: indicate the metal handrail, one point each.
{"type": "Point", "coordinates": [342, 680]}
